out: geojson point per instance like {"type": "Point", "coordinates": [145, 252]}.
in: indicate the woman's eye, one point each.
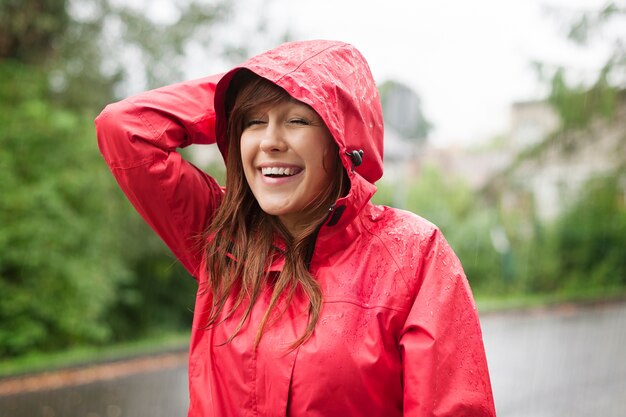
{"type": "Point", "coordinates": [299, 121]}
{"type": "Point", "coordinates": [252, 122]}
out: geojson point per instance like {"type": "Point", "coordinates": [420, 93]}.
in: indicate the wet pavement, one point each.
{"type": "Point", "coordinates": [568, 362]}
{"type": "Point", "coordinates": [156, 393]}
{"type": "Point", "coordinates": [565, 362]}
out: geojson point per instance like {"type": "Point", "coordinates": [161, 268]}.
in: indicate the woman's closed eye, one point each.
{"type": "Point", "coordinates": [252, 122]}
{"type": "Point", "coordinates": [299, 121]}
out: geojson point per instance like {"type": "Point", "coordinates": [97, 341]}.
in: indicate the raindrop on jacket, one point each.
{"type": "Point", "coordinates": [398, 333]}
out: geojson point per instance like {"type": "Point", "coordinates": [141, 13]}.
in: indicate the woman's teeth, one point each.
{"type": "Point", "coordinates": [279, 171]}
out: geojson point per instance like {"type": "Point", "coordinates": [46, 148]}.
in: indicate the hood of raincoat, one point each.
{"type": "Point", "coordinates": [335, 80]}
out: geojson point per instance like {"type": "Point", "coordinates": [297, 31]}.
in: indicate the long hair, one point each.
{"type": "Point", "coordinates": [241, 239]}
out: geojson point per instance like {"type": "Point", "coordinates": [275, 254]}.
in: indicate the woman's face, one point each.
{"type": "Point", "coordinates": [288, 158]}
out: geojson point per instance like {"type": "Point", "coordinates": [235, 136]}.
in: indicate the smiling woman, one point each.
{"type": "Point", "coordinates": [312, 301]}
{"type": "Point", "coordinates": [270, 132]}
{"type": "Point", "coordinates": [289, 157]}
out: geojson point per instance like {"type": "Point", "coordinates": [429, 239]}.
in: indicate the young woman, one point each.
{"type": "Point", "coordinates": [311, 301]}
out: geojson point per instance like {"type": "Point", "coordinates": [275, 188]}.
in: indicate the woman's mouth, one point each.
{"type": "Point", "coordinates": [275, 172]}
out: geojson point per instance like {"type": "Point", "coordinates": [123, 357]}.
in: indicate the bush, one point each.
{"type": "Point", "coordinates": [591, 235]}
{"type": "Point", "coordinates": [77, 264]}
{"type": "Point", "coordinates": [59, 260]}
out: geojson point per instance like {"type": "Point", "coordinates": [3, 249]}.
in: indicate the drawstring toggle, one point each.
{"type": "Point", "coordinates": [356, 157]}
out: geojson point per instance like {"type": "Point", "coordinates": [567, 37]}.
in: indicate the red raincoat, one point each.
{"type": "Point", "coordinates": [398, 333]}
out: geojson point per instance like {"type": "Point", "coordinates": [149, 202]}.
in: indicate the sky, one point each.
{"type": "Point", "coordinates": [467, 61]}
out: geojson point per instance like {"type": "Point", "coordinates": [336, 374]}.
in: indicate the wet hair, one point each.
{"type": "Point", "coordinates": [241, 241]}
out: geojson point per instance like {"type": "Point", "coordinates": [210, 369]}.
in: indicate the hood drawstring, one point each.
{"type": "Point", "coordinates": [356, 157]}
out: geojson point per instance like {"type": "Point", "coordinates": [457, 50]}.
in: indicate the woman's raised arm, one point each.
{"type": "Point", "coordinates": [139, 137]}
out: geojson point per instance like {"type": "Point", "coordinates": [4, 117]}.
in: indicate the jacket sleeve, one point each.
{"type": "Point", "coordinates": [138, 138]}
{"type": "Point", "coordinates": [444, 365]}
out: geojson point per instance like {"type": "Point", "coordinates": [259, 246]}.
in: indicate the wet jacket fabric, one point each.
{"type": "Point", "coordinates": [398, 333]}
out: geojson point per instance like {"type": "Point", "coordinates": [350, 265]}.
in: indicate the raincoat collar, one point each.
{"type": "Point", "coordinates": [335, 232]}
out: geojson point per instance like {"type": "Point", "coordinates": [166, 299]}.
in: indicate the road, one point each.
{"type": "Point", "coordinates": [565, 362]}
{"type": "Point", "coordinates": [568, 362]}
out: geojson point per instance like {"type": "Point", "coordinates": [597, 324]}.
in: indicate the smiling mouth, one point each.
{"type": "Point", "coordinates": [275, 172]}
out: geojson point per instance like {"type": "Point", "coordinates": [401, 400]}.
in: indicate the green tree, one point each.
{"type": "Point", "coordinates": [577, 102]}
{"type": "Point", "coordinates": [77, 265]}
{"type": "Point", "coordinates": [30, 29]}
{"type": "Point", "coordinates": [591, 235]}
{"type": "Point", "coordinates": [60, 259]}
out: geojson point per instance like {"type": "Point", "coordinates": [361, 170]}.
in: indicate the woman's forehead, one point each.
{"type": "Point", "coordinates": [286, 102]}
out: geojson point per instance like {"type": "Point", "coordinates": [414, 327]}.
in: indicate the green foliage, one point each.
{"type": "Point", "coordinates": [537, 262]}
{"type": "Point", "coordinates": [487, 270]}
{"type": "Point", "coordinates": [591, 235]}
{"type": "Point", "coordinates": [384, 194]}
{"type": "Point", "coordinates": [161, 294]}
{"type": "Point", "coordinates": [579, 103]}
{"type": "Point", "coordinates": [77, 264]}
{"type": "Point", "coordinates": [443, 200]}
{"type": "Point", "coordinates": [59, 259]}
{"type": "Point", "coordinates": [588, 24]}
{"type": "Point", "coordinates": [584, 250]}
{"type": "Point", "coordinates": [29, 29]}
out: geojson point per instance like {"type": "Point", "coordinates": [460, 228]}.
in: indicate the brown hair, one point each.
{"type": "Point", "coordinates": [240, 242]}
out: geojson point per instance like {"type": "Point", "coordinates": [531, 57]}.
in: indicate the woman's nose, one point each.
{"type": "Point", "coordinates": [273, 139]}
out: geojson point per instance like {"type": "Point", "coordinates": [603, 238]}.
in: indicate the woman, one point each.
{"type": "Point", "coordinates": [312, 301]}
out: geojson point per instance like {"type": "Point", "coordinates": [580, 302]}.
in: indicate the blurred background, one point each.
{"type": "Point", "coordinates": [505, 126]}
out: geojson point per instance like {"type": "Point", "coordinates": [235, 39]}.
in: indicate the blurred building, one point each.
{"type": "Point", "coordinates": [550, 165]}
{"type": "Point", "coordinates": [535, 166]}
{"type": "Point", "coordinates": [530, 123]}
{"type": "Point", "coordinates": [400, 156]}
{"type": "Point", "coordinates": [475, 166]}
